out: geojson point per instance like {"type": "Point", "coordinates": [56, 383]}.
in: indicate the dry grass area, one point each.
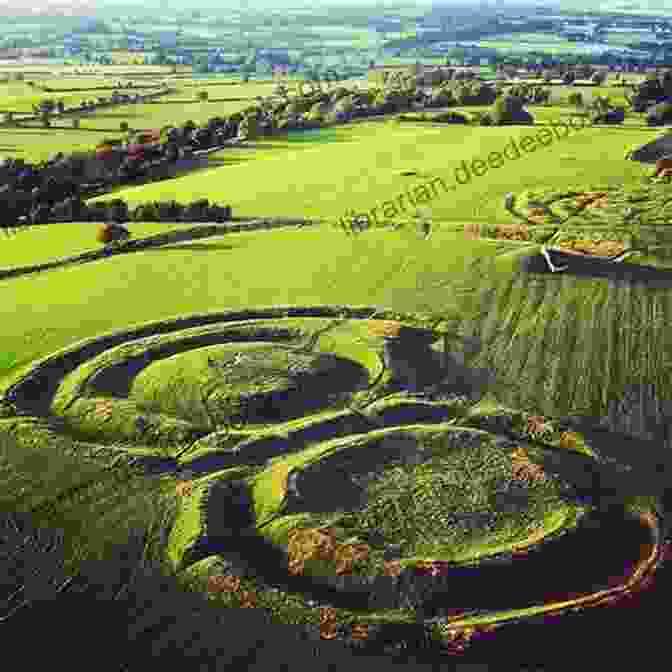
{"type": "Point", "coordinates": [601, 248]}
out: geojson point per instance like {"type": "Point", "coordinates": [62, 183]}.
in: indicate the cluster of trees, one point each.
{"type": "Point", "coordinates": [74, 209]}
{"type": "Point", "coordinates": [509, 109]}
{"type": "Point", "coordinates": [570, 75]}
{"type": "Point", "coordinates": [656, 88]}
{"type": "Point", "coordinates": [659, 114]}
{"type": "Point", "coordinates": [464, 93]}
{"type": "Point", "coordinates": [117, 211]}
{"type": "Point", "coordinates": [530, 93]}
{"type": "Point", "coordinates": [601, 110]}
{"type": "Point", "coordinates": [48, 106]}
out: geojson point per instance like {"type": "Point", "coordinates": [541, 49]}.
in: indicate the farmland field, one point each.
{"type": "Point", "coordinates": [38, 144]}
{"type": "Point", "coordinates": [343, 172]}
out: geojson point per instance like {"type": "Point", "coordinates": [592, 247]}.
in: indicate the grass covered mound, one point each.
{"type": "Point", "coordinates": [626, 223]}
{"type": "Point", "coordinates": [449, 495]}
{"type": "Point", "coordinates": [262, 382]}
{"type": "Point", "coordinates": [609, 206]}
{"type": "Point", "coordinates": [171, 389]}
{"type": "Point", "coordinates": [366, 523]}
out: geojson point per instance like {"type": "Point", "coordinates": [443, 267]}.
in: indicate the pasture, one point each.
{"type": "Point", "coordinates": [357, 167]}
{"type": "Point", "coordinates": [19, 97]}
{"type": "Point", "coordinates": [38, 144]}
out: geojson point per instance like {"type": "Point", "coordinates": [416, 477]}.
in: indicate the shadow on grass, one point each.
{"type": "Point", "coordinates": [114, 115]}
{"type": "Point", "coordinates": [24, 130]}
{"type": "Point", "coordinates": [608, 543]}
{"type": "Point", "coordinates": [196, 247]}
{"type": "Point", "coordinates": [133, 613]}
{"type": "Point", "coordinates": [652, 277]}
{"type": "Point", "coordinates": [210, 162]}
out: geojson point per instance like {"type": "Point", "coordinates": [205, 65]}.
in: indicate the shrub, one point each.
{"type": "Point", "coordinates": [486, 119]}
{"type": "Point", "coordinates": [616, 116]}
{"type": "Point", "coordinates": [40, 214]}
{"type": "Point", "coordinates": [197, 211]}
{"type": "Point", "coordinates": [146, 212]}
{"type": "Point", "coordinates": [450, 118]}
{"type": "Point", "coordinates": [123, 126]}
{"type": "Point", "coordinates": [118, 211]}
{"type": "Point", "coordinates": [509, 110]}
{"type": "Point", "coordinates": [659, 114]}
{"type": "Point", "coordinates": [575, 98]}
{"type": "Point", "coordinates": [169, 211]}
{"type": "Point", "coordinates": [219, 214]}
{"type": "Point", "coordinates": [107, 233]}
{"type": "Point", "coordinates": [97, 212]}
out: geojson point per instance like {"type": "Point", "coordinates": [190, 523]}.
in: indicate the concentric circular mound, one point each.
{"type": "Point", "coordinates": [163, 386]}
{"type": "Point", "coordinates": [262, 382]}
{"type": "Point", "coordinates": [437, 494]}
{"type": "Point", "coordinates": [307, 492]}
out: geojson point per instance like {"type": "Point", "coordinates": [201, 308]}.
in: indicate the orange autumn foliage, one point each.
{"type": "Point", "coordinates": [320, 544]}
{"type": "Point", "coordinates": [569, 440]}
{"type": "Point", "coordinates": [513, 232]}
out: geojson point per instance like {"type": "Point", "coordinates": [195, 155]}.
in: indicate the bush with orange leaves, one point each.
{"type": "Point", "coordinates": [537, 427]}
{"type": "Point", "coordinates": [221, 583]}
{"type": "Point", "coordinates": [184, 489]}
{"type": "Point", "coordinates": [320, 544]}
{"type": "Point", "coordinates": [513, 232]}
{"type": "Point", "coordinates": [569, 440]}
{"type": "Point", "coordinates": [328, 623]}
{"type": "Point", "coordinates": [388, 328]}
{"type": "Point", "coordinates": [589, 197]}
{"type": "Point", "coordinates": [456, 640]}
{"type": "Point", "coordinates": [472, 230]}
{"type": "Point", "coordinates": [524, 469]}
{"type": "Point", "coordinates": [309, 544]}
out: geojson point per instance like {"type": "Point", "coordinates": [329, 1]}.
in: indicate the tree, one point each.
{"type": "Point", "coordinates": [248, 128]}
{"type": "Point", "coordinates": [509, 110]}
{"type": "Point", "coordinates": [203, 96]}
{"type": "Point", "coordinates": [575, 98]}
{"type": "Point", "coordinates": [281, 91]}
{"type": "Point", "coordinates": [123, 126]}
{"type": "Point", "coordinates": [659, 114]}
{"type": "Point", "coordinates": [601, 104]}
{"type": "Point", "coordinates": [611, 116]}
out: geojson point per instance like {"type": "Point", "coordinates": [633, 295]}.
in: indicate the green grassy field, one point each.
{"type": "Point", "coordinates": [38, 144]}
{"type": "Point", "coordinates": [161, 114]}
{"type": "Point", "coordinates": [358, 167]}
{"type": "Point", "coordinates": [20, 97]}
{"type": "Point", "coordinates": [550, 345]}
